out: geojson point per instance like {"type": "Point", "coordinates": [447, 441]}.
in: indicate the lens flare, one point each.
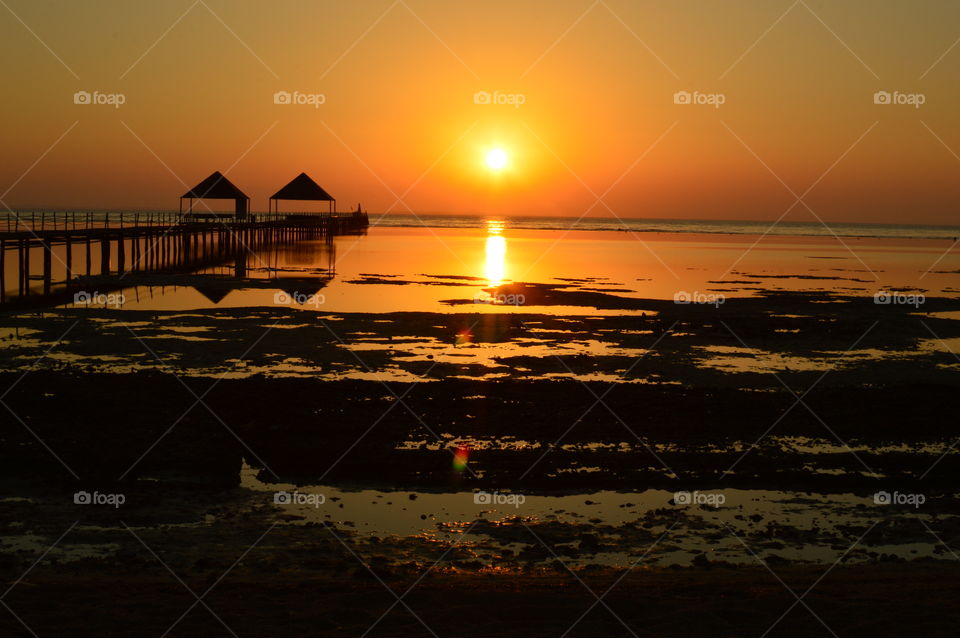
{"type": "Point", "coordinates": [460, 458]}
{"type": "Point", "coordinates": [464, 337]}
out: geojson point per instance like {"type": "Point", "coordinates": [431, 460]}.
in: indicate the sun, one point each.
{"type": "Point", "coordinates": [497, 159]}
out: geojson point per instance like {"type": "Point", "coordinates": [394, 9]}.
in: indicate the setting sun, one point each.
{"type": "Point", "coordinates": [496, 159]}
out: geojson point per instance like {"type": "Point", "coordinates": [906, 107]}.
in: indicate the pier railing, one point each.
{"type": "Point", "coordinates": [40, 221]}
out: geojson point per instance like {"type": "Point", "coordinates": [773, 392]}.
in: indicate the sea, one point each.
{"type": "Point", "coordinates": [693, 226]}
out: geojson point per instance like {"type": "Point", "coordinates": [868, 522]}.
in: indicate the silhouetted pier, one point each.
{"type": "Point", "coordinates": [112, 245]}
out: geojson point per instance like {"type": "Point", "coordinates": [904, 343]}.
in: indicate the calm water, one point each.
{"type": "Point", "coordinates": [441, 269]}
{"type": "Point", "coordinates": [722, 227]}
{"type": "Point", "coordinates": [435, 263]}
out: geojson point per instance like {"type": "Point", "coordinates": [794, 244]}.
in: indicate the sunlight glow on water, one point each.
{"type": "Point", "coordinates": [495, 265]}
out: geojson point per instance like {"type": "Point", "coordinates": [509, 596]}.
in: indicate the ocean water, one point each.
{"type": "Point", "coordinates": [718, 227]}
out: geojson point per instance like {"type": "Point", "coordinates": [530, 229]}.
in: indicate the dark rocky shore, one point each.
{"type": "Point", "coordinates": [123, 403]}
{"type": "Point", "coordinates": [666, 437]}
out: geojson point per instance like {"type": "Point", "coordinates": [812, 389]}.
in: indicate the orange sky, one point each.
{"type": "Point", "coordinates": [598, 119]}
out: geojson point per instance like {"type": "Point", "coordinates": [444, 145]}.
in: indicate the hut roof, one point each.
{"type": "Point", "coordinates": [304, 188]}
{"type": "Point", "coordinates": [215, 187]}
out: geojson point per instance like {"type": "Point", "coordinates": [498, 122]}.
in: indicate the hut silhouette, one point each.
{"type": "Point", "coordinates": [302, 188]}
{"type": "Point", "coordinates": [217, 187]}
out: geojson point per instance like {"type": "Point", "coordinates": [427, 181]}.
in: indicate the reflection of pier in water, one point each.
{"type": "Point", "coordinates": [215, 257]}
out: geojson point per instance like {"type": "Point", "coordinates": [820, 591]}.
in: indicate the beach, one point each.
{"type": "Point", "coordinates": [504, 412]}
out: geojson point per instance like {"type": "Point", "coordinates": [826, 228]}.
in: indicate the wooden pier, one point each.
{"type": "Point", "coordinates": [112, 245]}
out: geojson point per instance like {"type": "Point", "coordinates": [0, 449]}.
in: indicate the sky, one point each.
{"type": "Point", "coordinates": [783, 120]}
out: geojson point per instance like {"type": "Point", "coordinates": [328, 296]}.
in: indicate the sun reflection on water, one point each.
{"type": "Point", "coordinates": [495, 266]}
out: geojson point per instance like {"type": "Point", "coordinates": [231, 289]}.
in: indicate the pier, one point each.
{"type": "Point", "coordinates": [48, 254]}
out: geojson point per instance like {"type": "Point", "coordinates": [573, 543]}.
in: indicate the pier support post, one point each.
{"type": "Point", "coordinates": [24, 267]}
{"type": "Point", "coordinates": [105, 256]}
{"type": "Point", "coordinates": [68, 241]}
{"type": "Point", "coordinates": [47, 266]}
{"type": "Point", "coordinates": [121, 253]}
